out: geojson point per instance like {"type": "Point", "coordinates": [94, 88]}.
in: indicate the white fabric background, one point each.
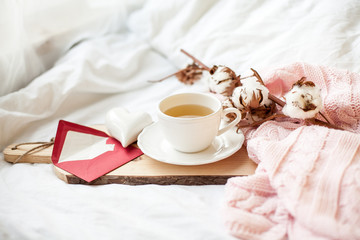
{"type": "Point", "coordinates": [105, 63]}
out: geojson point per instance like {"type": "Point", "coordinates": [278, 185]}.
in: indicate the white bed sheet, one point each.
{"type": "Point", "coordinates": [112, 70]}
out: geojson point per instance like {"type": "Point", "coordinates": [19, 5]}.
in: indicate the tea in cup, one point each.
{"type": "Point", "coordinates": [191, 121]}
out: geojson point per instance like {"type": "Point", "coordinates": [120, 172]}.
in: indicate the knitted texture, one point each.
{"type": "Point", "coordinates": [340, 90]}
{"type": "Point", "coordinates": [307, 183]}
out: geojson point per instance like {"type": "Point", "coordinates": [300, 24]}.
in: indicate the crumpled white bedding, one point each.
{"type": "Point", "coordinates": [112, 70]}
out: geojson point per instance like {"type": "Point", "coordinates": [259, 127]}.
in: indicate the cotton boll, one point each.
{"type": "Point", "coordinates": [222, 80]}
{"type": "Point", "coordinates": [252, 100]}
{"type": "Point", "coordinates": [303, 101]}
{"type": "Point", "coordinates": [238, 96]}
{"type": "Point", "coordinates": [227, 103]}
{"type": "Point", "coordinates": [251, 93]}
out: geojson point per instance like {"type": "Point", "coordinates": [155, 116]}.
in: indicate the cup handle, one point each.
{"type": "Point", "coordinates": [232, 123]}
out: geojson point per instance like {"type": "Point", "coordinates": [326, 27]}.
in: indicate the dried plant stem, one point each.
{"type": "Point", "coordinates": [318, 122]}
{"type": "Point", "coordinates": [270, 96]}
{"type": "Point", "coordinates": [324, 118]}
{"type": "Point", "coordinates": [257, 75]}
{"type": "Point", "coordinates": [185, 71]}
{"type": "Point", "coordinates": [164, 78]}
{"type": "Point", "coordinates": [195, 60]}
{"type": "Point", "coordinates": [277, 100]}
{"type": "Point", "coordinates": [282, 104]}
{"type": "Point", "coordinates": [312, 121]}
{"type": "Point", "coordinates": [262, 121]}
{"type": "Point", "coordinates": [241, 78]}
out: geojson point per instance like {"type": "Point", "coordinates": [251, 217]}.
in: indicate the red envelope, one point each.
{"type": "Point", "coordinates": [88, 153]}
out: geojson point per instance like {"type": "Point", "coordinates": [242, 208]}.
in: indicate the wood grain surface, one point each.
{"type": "Point", "coordinates": [145, 170]}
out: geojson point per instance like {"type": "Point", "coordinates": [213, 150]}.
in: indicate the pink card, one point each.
{"type": "Point", "coordinates": [88, 153]}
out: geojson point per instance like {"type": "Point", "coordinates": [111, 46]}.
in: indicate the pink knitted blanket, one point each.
{"type": "Point", "coordinates": [307, 184]}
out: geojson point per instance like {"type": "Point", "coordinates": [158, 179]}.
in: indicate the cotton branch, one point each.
{"type": "Point", "coordinates": [197, 61]}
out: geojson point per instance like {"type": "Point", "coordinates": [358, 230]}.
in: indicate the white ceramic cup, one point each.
{"type": "Point", "coordinates": [193, 134]}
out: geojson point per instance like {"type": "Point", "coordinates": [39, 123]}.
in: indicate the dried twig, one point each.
{"type": "Point", "coordinates": [275, 99]}
{"type": "Point", "coordinates": [164, 78]}
{"type": "Point", "coordinates": [261, 121]}
{"type": "Point", "coordinates": [195, 60]}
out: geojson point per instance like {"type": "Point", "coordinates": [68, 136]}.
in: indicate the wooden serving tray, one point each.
{"type": "Point", "coordinates": [145, 170]}
{"type": "Point", "coordinates": [38, 156]}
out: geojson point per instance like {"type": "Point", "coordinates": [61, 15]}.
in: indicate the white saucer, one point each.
{"type": "Point", "coordinates": [151, 141]}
